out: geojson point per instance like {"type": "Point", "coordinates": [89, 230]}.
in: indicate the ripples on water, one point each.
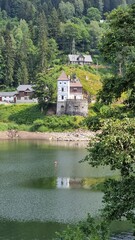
{"type": "Point", "coordinates": [38, 196]}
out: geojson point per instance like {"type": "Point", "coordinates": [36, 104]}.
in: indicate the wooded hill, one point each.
{"type": "Point", "coordinates": [36, 35]}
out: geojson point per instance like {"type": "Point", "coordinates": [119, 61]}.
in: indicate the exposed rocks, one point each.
{"type": "Point", "coordinates": [78, 135]}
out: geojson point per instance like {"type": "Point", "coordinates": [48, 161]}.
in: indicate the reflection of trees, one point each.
{"type": "Point", "coordinates": [47, 183]}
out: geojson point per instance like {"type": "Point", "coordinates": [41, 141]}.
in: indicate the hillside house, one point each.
{"type": "Point", "coordinates": [8, 97]}
{"type": "Point", "coordinates": [24, 94]}
{"type": "Point", "coordinates": [79, 59]}
{"type": "Point", "coordinates": [70, 97]}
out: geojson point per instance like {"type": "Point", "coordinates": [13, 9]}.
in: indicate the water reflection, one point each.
{"type": "Point", "coordinates": [43, 183]}
{"type": "Point", "coordinates": [64, 183]}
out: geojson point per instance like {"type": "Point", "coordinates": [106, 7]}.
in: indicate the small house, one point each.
{"type": "Point", "coordinates": [80, 59]}
{"type": "Point", "coordinates": [9, 97]}
{"type": "Point", "coordinates": [25, 94]}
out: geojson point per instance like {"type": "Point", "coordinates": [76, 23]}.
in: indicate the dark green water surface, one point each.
{"type": "Point", "coordinates": [41, 190]}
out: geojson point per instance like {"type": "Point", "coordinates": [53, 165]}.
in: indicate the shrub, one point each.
{"type": "Point", "coordinates": [24, 113]}
{"type": "Point", "coordinates": [93, 123]}
{"type": "Point", "coordinates": [3, 126]}
{"type": "Point", "coordinates": [106, 111]}
{"type": "Point", "coordinates": [12, 126]}
{"type": "Point", "coordinates": [42, 129]}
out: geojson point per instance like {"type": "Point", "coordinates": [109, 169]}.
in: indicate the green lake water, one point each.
{"type": "Point", "coordinates": [41, 190]}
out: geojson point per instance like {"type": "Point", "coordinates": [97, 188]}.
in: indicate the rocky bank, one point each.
{"type": "Point", "coordinates": [78, 135]}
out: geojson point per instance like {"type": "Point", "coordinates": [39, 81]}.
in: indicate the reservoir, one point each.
{"type": "Point", "coordinates": [42, 190]}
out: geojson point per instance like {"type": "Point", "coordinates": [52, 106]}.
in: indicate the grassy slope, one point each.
{"type": "Point", "coordinates": [29, 117]}
{"type": "Point", "coordinates": [90, 81]}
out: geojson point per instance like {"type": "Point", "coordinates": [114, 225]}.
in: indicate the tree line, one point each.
{"type": "Point", "coordinates": [36, 35]}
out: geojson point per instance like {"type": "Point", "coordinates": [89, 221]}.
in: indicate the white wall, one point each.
{"type": "Point", "coordinates": [63, 90]}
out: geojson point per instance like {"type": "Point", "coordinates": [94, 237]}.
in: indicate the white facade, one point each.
{"type": "Point", "coordinates": [8, 97]}
{"type": "Point", "coordinates": [63, 90]}
{"type": "Point", "coordinates": [69, 97]}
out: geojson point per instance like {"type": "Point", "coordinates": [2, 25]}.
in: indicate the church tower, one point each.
{"type": "Point", "coordinates": [63, 93]}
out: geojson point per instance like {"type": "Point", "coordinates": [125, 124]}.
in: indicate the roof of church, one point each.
{"type": "Point", "coordinates": [63, 77]}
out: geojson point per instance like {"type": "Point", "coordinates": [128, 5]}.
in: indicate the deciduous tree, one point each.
{"type": "Point", "coordinates": [118, 48]}
{"type": "Point", "coordinates": [115, 147]}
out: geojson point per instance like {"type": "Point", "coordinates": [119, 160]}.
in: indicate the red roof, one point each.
{"type": "Point", "coordinates": [63, 77]}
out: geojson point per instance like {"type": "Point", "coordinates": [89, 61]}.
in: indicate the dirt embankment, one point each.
{"type": "Point", "coordinates": [78, 135]}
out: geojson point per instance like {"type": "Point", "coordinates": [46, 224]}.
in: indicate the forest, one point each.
{"type": "Point", "coordinates": [38, 35]}
{"type": "Point", "coordinates": [35, 38]}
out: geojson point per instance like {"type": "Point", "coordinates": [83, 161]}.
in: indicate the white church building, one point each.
{"type": "Point", "coordinates": [70, 97]}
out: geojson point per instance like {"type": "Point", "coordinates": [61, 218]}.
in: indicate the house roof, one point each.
{"type": "Point", "coordinates": [74, 57]}
{"type": "Point", "coordinates": [24, 88]}
{"type": "Point", "coordinates": [75, 84]}
{"type": "Point", "coordinates": [7, 94]}
{"type": "Point", "coordinates": [63, 77]}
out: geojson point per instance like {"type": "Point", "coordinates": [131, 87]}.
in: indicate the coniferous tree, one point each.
{"type": "Point", "coordinates": [101, 6]}
{"type": "Point", "coordinates": [9, 57]}
{"type": "Point", "coordinates": [79, 7]}
{"type": "Point", "coordinates": [2, 63]}
{"type": "Point", "coordinates": [42, 43]}
{"type": "Point", "coordinates": [54, 24]}
{"type": "Point", "coordinates": [22, 74]}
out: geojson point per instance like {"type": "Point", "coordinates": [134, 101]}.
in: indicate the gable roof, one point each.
{"type": "Point", "coordinates": [75, 84]}
{"type": "Point", "coordinates": [24, 88]}
{"type": "Point", "coordinates": [63, 77]}
{"type": "Point", "coordinates": [7, 94]}
{"type": "Point", "coordinates": [75, 57]}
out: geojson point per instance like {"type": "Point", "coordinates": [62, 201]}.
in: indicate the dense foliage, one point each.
{"type": "Point", "coordinates": [86, 230]}
{"type": "Point", "coordinates": [36, 35]}
{"type": "Point", "coordinates": [115, 147]}
{"type": "Point", "coordinates": [118, 47]}
{"type": "Point", "coordinates": [29, 117]}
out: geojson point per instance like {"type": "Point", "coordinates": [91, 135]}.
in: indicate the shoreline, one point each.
{"type": "Point", "coordinates": [77, 135]}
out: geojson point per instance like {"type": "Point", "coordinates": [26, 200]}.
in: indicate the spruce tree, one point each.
{"type": "Point", "coordinates": [9, 57]}
{"type": "Point", "coordinates": [42, 43]}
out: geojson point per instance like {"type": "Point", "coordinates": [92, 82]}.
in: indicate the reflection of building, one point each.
{"type": "Point", "coordinates": [70, 97]}
{"type": "Point", "coordinates": [80, 59]}
{"type": "Point", "coordinates": [63, 182]}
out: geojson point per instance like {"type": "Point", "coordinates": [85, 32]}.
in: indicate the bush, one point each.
{"type": "Point", "coordinates": [3, 126]}
{"type": "Point", "coordinates": [93, 123]}
{"type": "Point", "coordinates": [12, 126]}
{"type": "Point", "coordinates": [24, 113]}
{"type": "Point", "coordinates": [42, 129]}
{"type": "Point", "coordinates": [106, 111]}
{"type": "Point", "coordinates": [37, 124]}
